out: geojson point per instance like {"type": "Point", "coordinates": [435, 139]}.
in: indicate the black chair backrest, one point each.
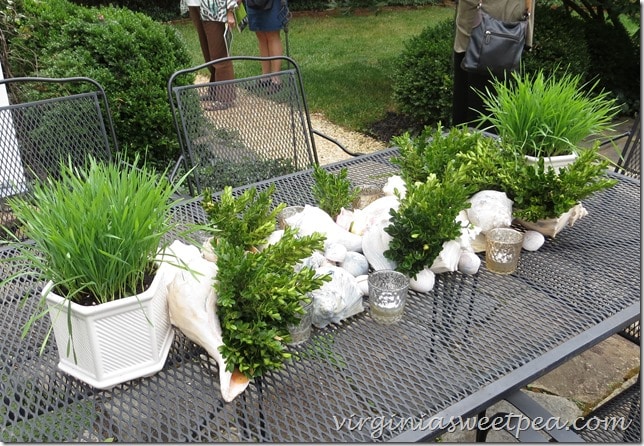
{"type": "Point", "coordinates": [48, 121]}
{"type": "Point", "coordinates": [630, 159]}
{"type": "Point", "coordinates": [243, 130]}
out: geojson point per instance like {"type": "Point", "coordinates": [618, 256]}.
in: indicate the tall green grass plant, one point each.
{"type": "Point", "coordinates": [96, 231]}
{"type": "Point", "coordinates": [542, 115]}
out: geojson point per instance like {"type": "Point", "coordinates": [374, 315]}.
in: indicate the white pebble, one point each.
{"type": "Point", "coordinates": [533, 240]}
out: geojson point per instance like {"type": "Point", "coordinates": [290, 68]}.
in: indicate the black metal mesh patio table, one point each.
{"type": "Point", "coordinates": [458, 349]}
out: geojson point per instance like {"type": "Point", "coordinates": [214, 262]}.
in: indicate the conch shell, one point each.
{"type": "Point", "coordinates": [192, 303]}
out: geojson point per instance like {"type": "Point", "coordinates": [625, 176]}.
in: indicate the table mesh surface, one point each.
{"type": "Point", "coordinates": [467, 333]}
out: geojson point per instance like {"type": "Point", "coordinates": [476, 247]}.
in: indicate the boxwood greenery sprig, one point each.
{"type": "Point", "coordinates": [537, 191]}
{"type": "Point", "coordinates": [425, 220]}
{"type": "Point", "coordinates": [245, 221]}
{"type": "Point", "coordinates": [433, 149]}
{"type": "Point", "coordinates": [331, 191]}
{"type": "Point", "coordinates": [259, 295]}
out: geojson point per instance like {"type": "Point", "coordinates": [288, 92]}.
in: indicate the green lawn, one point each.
{"type": "Point", "coordinates": [346, 60]}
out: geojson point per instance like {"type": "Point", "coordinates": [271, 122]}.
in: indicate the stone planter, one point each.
{"type": "Point", "coordinates": [116, 341]}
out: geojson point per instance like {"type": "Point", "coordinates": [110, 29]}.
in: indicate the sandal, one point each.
{"type": "Point", "coordinates": [217, 105]}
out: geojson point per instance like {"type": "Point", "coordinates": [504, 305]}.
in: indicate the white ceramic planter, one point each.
{"type": "Point", "coordinates": [556, 162]}
{"type": "Point", "coordinates": [116, 341]}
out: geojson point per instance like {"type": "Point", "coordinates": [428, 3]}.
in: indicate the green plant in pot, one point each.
{"type": "Point", "coordinates": [543, 198]}
{"type": "Point", "coordinates": [543, 115]}
{"type": "Point", "coordinates": [95, 236]}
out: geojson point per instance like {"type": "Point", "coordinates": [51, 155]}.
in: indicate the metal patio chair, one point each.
{"type": "Point", "coordinates": [243, 130]}
{"type": "Point", "coordinates": [46, 121]}
{"type": "Point", "coordinates": [630, 159]}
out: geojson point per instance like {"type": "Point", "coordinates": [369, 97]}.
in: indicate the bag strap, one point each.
{"type": "Point", "coordinates": [526, 14]}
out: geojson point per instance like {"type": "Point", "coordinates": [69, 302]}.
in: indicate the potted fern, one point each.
{"type": "Point", "coordinates": [547, 116]}
{"type": "Point", "coordinates": [97, 234]}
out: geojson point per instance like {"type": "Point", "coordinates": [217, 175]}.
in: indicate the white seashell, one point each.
{"type": "Point", "coordinates": [533, 240]}
{"type": "Point", "coordinates": [286, 213]}
{"type": "Point", "coordinates": [469, 263]}
{"type": "Point", "coordinates": [576, 212]}
{"type": "Point", "coordinates": [363, 284]}
{"type": "Point", "coordinates": [274, 237]}
{"type": "Point", "coordinates": [447, 259]}
{"type": "Point", "coordinates": [374, 213]}
{"type": "Point", "coordinates": [469, 232]}
{"type": "Point", "coordinates": [355, 263]}
{"type": "Point", "coordinates": [344, 219]}
{"type": "Point", "coordinates": [424, 281]}
{"type": "Point", "coordinates": [337, 299]}
{"type": "Point", "coordinates": [207, 251]}
{"type": "Point", "coordinates": [192, 305]}
{"type": "Point", "coordinates": [479, 244]}
{"type": "Point", "coordinates": [314, 261]}
{"type": "Point", "coordinates": [313, 219]}
{"type": "Point", "coordinates": [490, 209]}
{"type": "Point", "coordinates": [335, 252]}
{"type": "Point", "coordinates": [395, 183]}
{"type": "Point", "coordinates": [375, 242]}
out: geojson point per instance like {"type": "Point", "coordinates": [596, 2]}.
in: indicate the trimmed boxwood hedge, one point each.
{"type": "Point", "coordinates": [130, 54]}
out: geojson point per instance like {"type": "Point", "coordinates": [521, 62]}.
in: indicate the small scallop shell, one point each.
{"type": "Point", "coordinates": [533, 240]}
{"type": "Point", "coordinates": [207, 251]}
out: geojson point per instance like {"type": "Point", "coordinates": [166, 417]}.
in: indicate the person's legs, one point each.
{"type": "Point", "coordinates": [195, 17]}
{"type": "Point", "coordinates": [262, 43]}
{"type": "Point", "coordinates": [467, 105]}
{"type": "Point", "coordinates": [274, 43]}
{"type": "Point", "coordinates": [477, 85]}
{"type": "Point", "coordinates": [217, 47]}
{"type": "Point", "coordinates": [270, 45]}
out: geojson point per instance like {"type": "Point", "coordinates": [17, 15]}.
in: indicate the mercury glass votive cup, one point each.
{"type": "Point", "coordinates": [503, 249]}
{"type": "Point", "coordinates": [387, 295]}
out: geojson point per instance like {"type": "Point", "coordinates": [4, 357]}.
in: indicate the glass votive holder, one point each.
{"type": "Point", "coordinates": [302, 331]}
{"type": "Point", "coordinates": [387, 295]}
{"type": "Point", "coordinates": [503, 249]}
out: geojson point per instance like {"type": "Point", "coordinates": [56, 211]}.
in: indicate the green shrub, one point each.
{"type": "Point", "coordinates": [423, 80]}
{"type": "Point", "coordinates": [161, 10]}
{"type": "Point", "coordinates": [616, 62]}
{"type": "Point", "coordinates": [128, 53]}
{"type": "Point", "coordinates": [551, 50]}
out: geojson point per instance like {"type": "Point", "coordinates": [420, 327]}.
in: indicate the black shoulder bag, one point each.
{"type": "Point", "coordinates": [495, 46]}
